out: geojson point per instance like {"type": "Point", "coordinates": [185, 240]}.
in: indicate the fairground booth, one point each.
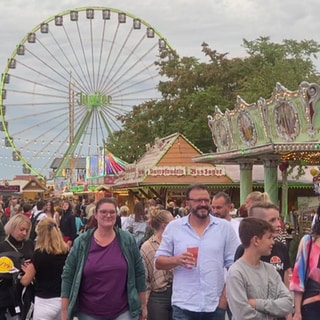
{"type": "Point", "coordinates": [166, 170]}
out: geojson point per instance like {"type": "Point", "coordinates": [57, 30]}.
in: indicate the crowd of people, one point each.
{"type": "Point", "coordinates": [94, 260]}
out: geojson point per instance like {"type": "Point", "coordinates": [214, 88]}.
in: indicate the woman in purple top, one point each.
{"type": "Point", "coordinates": [104, 277]}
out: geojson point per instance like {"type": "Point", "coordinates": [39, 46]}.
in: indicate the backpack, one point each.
{"type": "Point", "coordinates": [23, 301]}
{"type": "Point", "coordinates": [34, 222]}
{"type": "Point", "coordinates": [16, 258]}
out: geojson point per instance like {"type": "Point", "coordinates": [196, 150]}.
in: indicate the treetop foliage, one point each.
{"type": "Point", "coordinates": [191, 89]}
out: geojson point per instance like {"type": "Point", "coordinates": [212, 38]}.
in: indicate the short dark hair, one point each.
{"type": "Point", "coordinates": [251, 227]}
{"type": "Point", "coordinates": [257, 209]}
{"type": "Point", "coordinates": [106, 200]}
{"type": "Point", "coordinates": [41, 204]}
{"type": "Point", "coordinates": [197, 186]}
{"type": "Point", "coordinates": [223, 195]}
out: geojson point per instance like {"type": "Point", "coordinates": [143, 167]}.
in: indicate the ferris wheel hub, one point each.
{"type": "Point", "coordinates": [94, 100]}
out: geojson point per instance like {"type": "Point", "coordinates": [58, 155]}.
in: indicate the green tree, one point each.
{"type": "Point", "coordinates": [190, 90]}
{"type": "Point", "coordinates": [289, 63]}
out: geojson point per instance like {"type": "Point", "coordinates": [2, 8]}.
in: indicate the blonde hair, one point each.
{"type": "Point", "coordinates": [257, 196]}
{"type": "Point", "coordinates": [124, 211]}
{"type": "Point", "coordinates": [49, 237]}
{"type": "Point", "coordinates": [16, 221]}
{"type": "Point", "coordinates": [158, 217]}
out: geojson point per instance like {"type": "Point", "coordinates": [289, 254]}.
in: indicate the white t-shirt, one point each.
{"type": "Point", "coordinates": [235, 226]}
{"type": "Point", "coordinates": [41, 216]}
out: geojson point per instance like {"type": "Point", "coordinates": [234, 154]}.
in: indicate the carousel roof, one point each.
{"type": "Point", "coordinates": [285, 126]}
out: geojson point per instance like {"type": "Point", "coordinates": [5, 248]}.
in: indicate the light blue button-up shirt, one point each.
{"type": "Point", "coordinates": [199, 289]}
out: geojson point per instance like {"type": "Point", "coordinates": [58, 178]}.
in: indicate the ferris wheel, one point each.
{"type": "Point", "coordinates": [70, 79]}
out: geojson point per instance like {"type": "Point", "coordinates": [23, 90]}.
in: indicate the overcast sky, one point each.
{"type": "Point", "coordinates": [184, 23]}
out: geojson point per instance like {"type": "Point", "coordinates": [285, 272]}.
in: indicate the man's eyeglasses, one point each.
{"type": "Point", "coordinates": [200, 200]}
{"type": "Point", "coordinates": [105, 212]}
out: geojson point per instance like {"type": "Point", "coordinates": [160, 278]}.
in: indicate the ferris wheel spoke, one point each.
{"type": "Point", "coordinates": [85, 86]}
{"type": "Point", "coordinates": [57, 61]}
{"type": "Point", "coordinates": [132, 67]}
{"type": "Point", "coordinates": [26, 150]}
{"type": "Point", "coordinates": [114, 113]}
{"type": "Point", "coordinates": [132, 85]}
{"type": "Point", "coordinates": [37, 125]}
{"type": "Point", "coordinates": [100, 133]}
{"type": "Point", "coordinates": [100, 81]}
{"type": "Point", "coordinates": [38, 94]}
{"type": "Point", "coordinates": [31, 115]}
{"type": "Point", "coordinates": [92, 56]}
{"type": "Point", "coordinates": [101, 51]}
{"type": "Point", "coordinates": [135, 92]}
{"type": "Point", "coordinates": [106, 119]}
{"type": "Point", "coordinates": [118, 55]}
{"type": "Point", "coordinates": [107, 80]}
{"type": "Point", "coordinates": [39, 84]}
{"type": "Point", "coordinates": [45, 63]}
{"type": "Point", "coordinates": [32, 104]}
{"type": "Point", "coordinates": [131, 53]}
{"type": "Point", "coordinates": [62, 143]}
{"type": "Point", "coordinates": [38, 72]}
{"type": "Point", "coordinates": [30, 126]}
{"type": "Point", "coordinates": [85, 59]}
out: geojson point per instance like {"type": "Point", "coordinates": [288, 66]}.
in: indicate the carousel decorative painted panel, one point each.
{"type": "Point", "coordinates": [286, 120]}
{"type": "Point", "coordinates": [220, 133]}
{"type": "Point", "coordinates": [247, 129]}
{"type": "Point", "coordinates": [247, 125]}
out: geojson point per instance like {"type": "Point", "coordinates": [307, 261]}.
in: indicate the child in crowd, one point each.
{"type": "Point", "coordinates": [254, 288]}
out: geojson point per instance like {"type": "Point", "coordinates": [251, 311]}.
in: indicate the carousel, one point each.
{"type": "Point", "coordinates": [281, 133]}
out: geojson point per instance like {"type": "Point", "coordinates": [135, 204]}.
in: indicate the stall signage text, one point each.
{"type": "Point", "coordinates": [186, 171]}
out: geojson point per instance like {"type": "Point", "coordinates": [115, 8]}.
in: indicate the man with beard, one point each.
{"type": "Point", "coordinates": [198, 277]}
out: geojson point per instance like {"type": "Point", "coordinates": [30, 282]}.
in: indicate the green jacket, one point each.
{"type": "Point", "coordinates": [72, 271]}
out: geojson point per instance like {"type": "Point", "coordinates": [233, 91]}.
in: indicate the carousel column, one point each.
{"type": "Point", "coordinates": [271, 178]}
{"type": "Point", "coordinates": [284, 196]}
{"type": "Point", "coordinates": [245, 180]}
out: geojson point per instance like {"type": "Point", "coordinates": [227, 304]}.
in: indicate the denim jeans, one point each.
{"type": "Point", "coordinates": [310, 311]}
{"type": "Point", "coordinates": [229, 313]}
{"type": "Point", "coordinates": [180, 314]}
{"type": "Point", "coordinates": [123, 316]}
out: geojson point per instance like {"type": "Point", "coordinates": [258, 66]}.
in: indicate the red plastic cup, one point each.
{"type": "Point", "coordinates": [194, 250]}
